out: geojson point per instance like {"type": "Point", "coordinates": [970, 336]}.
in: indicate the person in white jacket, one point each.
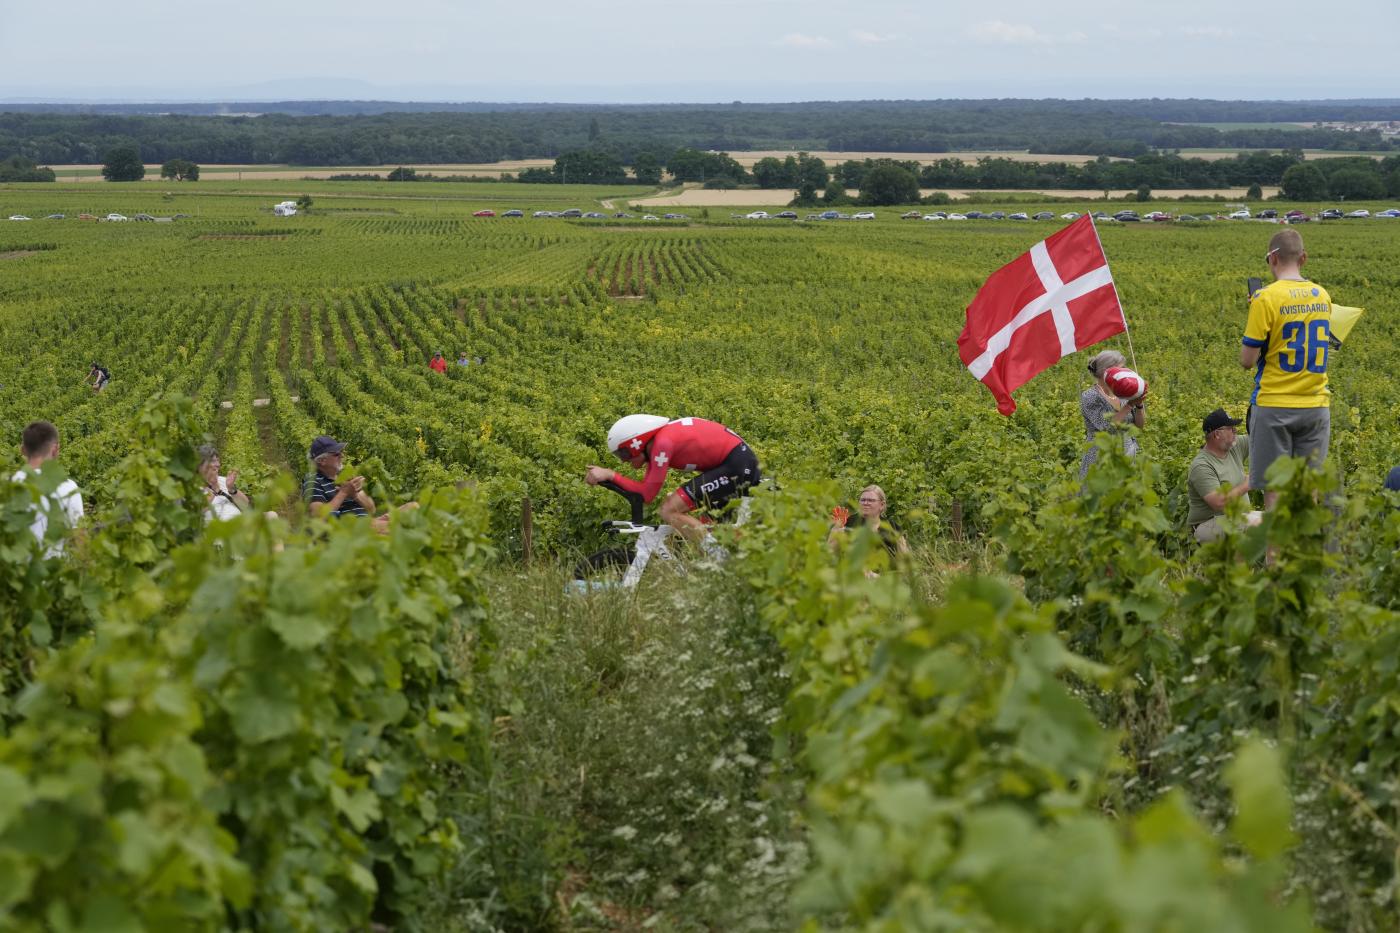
{"type": "Point", "coordinates": [39, 445]}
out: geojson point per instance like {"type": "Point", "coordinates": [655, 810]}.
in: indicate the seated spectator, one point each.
{"type": "Point", "coordinates": [226, 499]}
{"type": "Point", "coordinates": [1392, 479]}
{"type": "Point", "coordinates": [328, 499]}
{"type": "Point", "coordinates": [39, 445]}
{"type": "Point", "coordinates": [462, 359]}
{"type": "Point", "coordinates": [439, 363]}
{"type": "Point", "coordinates": [871, 514]}
{"type": "Point", "coordinates": [1215, 477]}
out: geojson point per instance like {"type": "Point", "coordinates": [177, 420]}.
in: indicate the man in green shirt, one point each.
{"type": "Point", "coordinates": [1220, 463]}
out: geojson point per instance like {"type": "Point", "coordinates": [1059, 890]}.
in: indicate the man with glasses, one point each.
{"type": "Point", "coordinates": [1286, 341]}
{"type": "Point", "coordinates": [1215, 477]}
{"type": "Point", "coordinates": [327, 498]}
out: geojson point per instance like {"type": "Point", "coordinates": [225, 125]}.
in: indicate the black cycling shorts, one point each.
{"type": "Point", "coordinates": [730, 479]}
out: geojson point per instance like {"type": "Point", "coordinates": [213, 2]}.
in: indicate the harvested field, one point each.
{"type": "Point", "coordinates": [18, 253]}
{"type": "Point", "coordinates": [747, 159]}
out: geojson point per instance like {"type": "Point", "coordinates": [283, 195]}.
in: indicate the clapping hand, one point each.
{"type": "Point", "coordinates": [840, 515]}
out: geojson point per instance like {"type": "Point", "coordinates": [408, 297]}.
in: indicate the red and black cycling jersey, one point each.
{"type": "Point", "coordinates": [690, 444]}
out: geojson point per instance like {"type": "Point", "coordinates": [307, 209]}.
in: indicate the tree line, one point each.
{"type": "Point", "coordinates": [1116, 128]}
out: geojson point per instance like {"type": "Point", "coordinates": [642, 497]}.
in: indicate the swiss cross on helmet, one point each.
{"type": "Point", "coordinates": [629, 435]}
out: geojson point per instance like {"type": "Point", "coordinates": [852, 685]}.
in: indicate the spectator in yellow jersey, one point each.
{"type": "Point", "coordinates": [1286, 343]}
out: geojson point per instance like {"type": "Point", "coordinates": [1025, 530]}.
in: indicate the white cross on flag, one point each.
{"type": "Point", "coordinates": [1041, 306]}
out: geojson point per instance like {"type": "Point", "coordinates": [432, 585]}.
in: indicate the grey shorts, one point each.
{"type": "Point", "coordinates": [1286, 432]}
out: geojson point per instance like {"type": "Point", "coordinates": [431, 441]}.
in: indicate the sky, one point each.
{"type": "Point", "coordinates": [626, 51]}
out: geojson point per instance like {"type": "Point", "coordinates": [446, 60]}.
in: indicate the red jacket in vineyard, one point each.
{"type": "Point", "coordinates": [690, 444]}
{"type": "Point", "coordinates": [438, 365]}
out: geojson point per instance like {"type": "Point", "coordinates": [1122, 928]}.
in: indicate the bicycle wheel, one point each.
{"type": "Point", "coordinates": [609, 563]}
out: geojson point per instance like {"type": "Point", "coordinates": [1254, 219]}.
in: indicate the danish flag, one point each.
{"type": "Point", "coordinates": [1038, 308]}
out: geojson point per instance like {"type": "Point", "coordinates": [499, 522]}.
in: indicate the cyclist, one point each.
{"type": "Point", "coordinates": [725, 464]}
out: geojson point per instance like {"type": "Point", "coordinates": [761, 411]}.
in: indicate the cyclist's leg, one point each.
{"type": "Point", "coordinates": [677, 510]}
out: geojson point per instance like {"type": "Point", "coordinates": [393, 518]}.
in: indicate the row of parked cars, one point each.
{"type": "Point", "coordinates": [575, 212]}
{"type": "Point", "coordinates": [1124, 216]}
{"type": "Point", "coordinates": [115, 218]}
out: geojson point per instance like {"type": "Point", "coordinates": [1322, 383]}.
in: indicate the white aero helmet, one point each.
{"type": "Point", "coordinates": [633, 432]}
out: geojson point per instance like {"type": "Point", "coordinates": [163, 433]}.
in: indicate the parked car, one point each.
{"type": "Point", "coordinates": [1070, 215]}
{"type": "Point", "coordinates": [1293, 213]}
{"type": "Point", "coordinates": [1186, 218]}
{"type": "Point", "coordinates": [1019, 215]}
{"type": "Point", "coordinates": [675, 216]}
{"type": "Point", "coordinates": [486, 212]}
{"type": "Point", "coordinates": [911, 215]}
{"type": "Point", "coordinates": [1267, 213]}
{"type": "Point", "coordinates": [1389, 212]}
{"type": "Point", "coordinates": [1359, 212]}
{"type": "Point", "coordinates": [1127, 217]}
{"type": "Point", "coordinates": [1241, 214]}
{"type": "Point", "coordinates": [864, 215]}
{"type": "Point", "coordinates": [830, 215]}
{"type": "Point", "coordinates": [146, 217]}
{"type": "Point", "coordinates": [756, 215]}
{"type": "Point", "coordinates": [180, 217]}
{"type": "Point", "coordinates": [957, 216]}
{"type": "Point", "coordinates": [973, 215]}
{"type": "Point", "coordinates": [650, 217]}
{"type": "Point", "coordinates": [1331, 213]}
{"type": "Point", "coordinates": [1206, 217]}
{"type": "Point", "coordinates": [571, 212]}
{"type": "Point", "coordinates": [115, 216]}
{"type": "Point", "coordinates": [18, 217]}
{"type": "Point", "coordinates": [623, 215]}
{"type": "Point", "coordinates": [1043, 215]}
{"type": "Point", "coordinates": [1298, 219]}
{"type": "Point", "coordinates": [786, 215]}
{"type": "Point", "coordinates": [995, 215]}
{"type": "Point", "coordinates": [513, 213]}
{"type": "Point", "coordinates": [544, 214]}
{"type": "Point", "coordinates": [55, 217]}
{"type": "Point", "coordinates": [595, 215]}
{"type": "Point", "coordinates": [934, 217]}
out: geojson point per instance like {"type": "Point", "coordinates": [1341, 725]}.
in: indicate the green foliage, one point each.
{"type": "Point", "coordinates": [889, 184]}
{"type": "Point", "coordinates": [18, 168]}
{"type": "Point", "coordinates": [179, 170]}
{"type": "Point", "coordinates": [590, 167]}
{"type": "Point", "coordinates": [1253, 192]}
{"type": "Point", "coordinates": [1304, 182]}
{"type": "Point", "coordinates": [123, 164]}
{"type": "Point", "coordinates": [1092, 551]}
{"type": "Point", "coordinates": [1144, 193]}
{"type": "Point", "coordinates": [956, 777]}
{"type": "Point", "coordinates": [103, 816]}
{"type": "Point", "coordinates": [1356, 184]}
{"type": "Point", "coordinates": [260, 724]}
{"type": "Point", "coordinates": [39, 607]}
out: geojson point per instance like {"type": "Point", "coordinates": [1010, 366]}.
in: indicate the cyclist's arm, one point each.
{"type": "Point", "coordinates": [650, 486]}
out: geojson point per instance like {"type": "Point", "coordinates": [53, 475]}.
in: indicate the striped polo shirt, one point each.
{"type": "Point", "coordinates": [321, 488]}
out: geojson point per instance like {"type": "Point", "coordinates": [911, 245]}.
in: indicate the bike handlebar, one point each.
{"type": "Point", "coordinates": [633, 498]}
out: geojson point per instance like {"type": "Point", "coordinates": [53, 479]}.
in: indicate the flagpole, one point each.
{"type": "Point", "coordinates": [1127, 332]}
